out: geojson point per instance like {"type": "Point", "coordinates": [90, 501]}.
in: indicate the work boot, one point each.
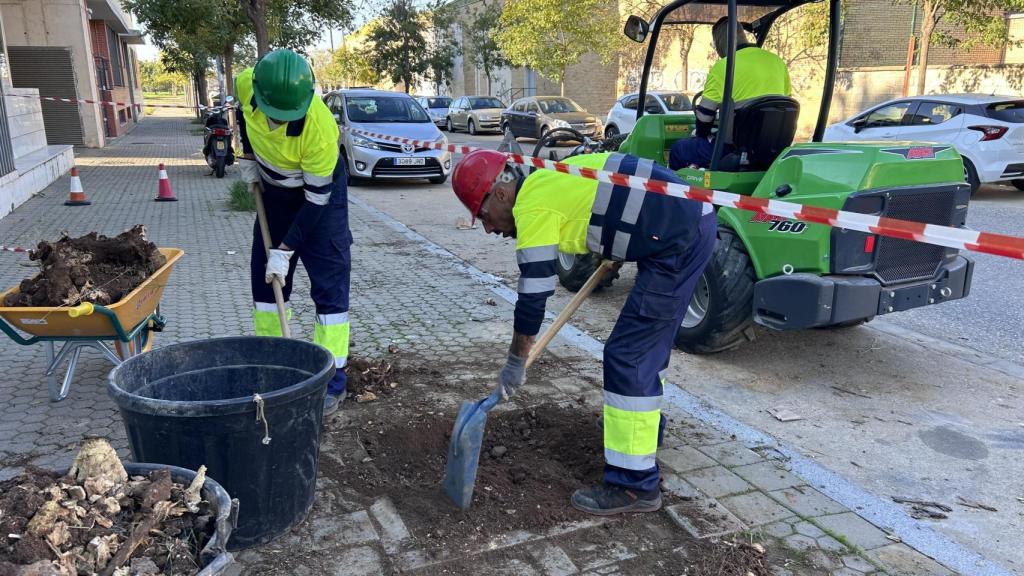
{"type": "Point", "coordinates": [606, 500]}
{"type": "Point", "coordinates": [331, 404]}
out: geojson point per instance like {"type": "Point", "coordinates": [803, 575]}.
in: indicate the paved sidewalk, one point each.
{"type": "Point", "coordinates": [448, 330]}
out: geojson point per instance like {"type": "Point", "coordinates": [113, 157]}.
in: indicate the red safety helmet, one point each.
{"type": "Point", "coordinates": [475, 175]}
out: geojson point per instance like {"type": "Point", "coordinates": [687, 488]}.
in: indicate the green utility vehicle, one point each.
{"type": "Point", "coordinates": [787, 274]}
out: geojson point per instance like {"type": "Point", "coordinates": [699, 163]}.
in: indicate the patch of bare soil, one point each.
{"type": "Point", "coordinates": [98, 520]}
{"type": "Point", "coordinates": [91, 268]}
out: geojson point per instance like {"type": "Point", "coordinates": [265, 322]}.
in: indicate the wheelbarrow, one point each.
{"type": "Point", "coordinates": [66, 330]}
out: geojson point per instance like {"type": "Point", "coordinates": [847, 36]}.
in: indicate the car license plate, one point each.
{"type": "Point", "coordinates": [410, 161]}
{"type": "Point", "coordinates": [220, 144]}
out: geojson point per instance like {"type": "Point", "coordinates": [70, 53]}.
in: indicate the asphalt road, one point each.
{"type": "Point", "coordinates": [924, 404]}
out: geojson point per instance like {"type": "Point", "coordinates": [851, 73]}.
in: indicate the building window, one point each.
{"type": "Point", "coordinates": [115, 57]}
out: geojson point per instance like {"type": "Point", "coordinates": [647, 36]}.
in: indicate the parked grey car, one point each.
{"type": "Point", "coordinates": [533, 116]}
{"type": "Point", "coordinates": [394, 114]}
{"type": "Point", "coordinates": [436, 107]}
{"type": "Point", "coordinates": [475, 113]}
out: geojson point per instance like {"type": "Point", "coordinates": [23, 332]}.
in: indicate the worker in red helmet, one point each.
{"type": "Point", "coordinates": [670, 239]}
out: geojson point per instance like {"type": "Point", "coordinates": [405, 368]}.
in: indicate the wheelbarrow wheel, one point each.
{"type": "Point", "coordinates": [142, 342]}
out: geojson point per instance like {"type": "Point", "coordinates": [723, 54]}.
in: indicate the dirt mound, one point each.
{"type": "Point", "coordinates": [97, 519]}
{"type": "Point", "coordinates": [92, 268]}
{"type": "Point", "coordinates": [530, 464]}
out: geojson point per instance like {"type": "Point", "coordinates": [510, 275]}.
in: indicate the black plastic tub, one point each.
{"type": "Point", "coordinates": [248, 408]}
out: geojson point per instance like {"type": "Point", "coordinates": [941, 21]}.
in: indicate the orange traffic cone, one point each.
{"type": "Point", "coordinates": [77, 196]}
{"type": "Point", "coordinates": [165, 194]}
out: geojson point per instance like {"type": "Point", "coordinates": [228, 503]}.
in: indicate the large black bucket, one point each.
{"type": "Point", "coordinates": [248, 408]}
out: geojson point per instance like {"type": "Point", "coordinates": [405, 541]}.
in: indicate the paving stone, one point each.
{"type": "Point", "coordinates": [675, 485]}
{"type": "Point", "coordinates": [822, 559]}
{"type": "Point", "coordinates": [393, 530]}
{"type": "Point", "coordinates": [732, 454]}
{"type": "Point", "coordinates": [855, 562]}
{"type": "Point", "coordinates": [854, 529]}
{"type": "Point", "coordinates": [767, 476]}
{"type": "Point", "coordinates": [807, 501]}
{"type": "Point", "coordinates": [831, 544]}
{"type": "Point", "coordinates": [901, 560]}
{"type": "Point", "coordinates": [361, 561]}
{"type": "Point", "coordinates": [684, 458]}
{"type": "Point", "coordinates": [704, 518]}
{"type": "Point", "coordinates": [552, 559]}
{"type": "Point", "coordinates": [354, 528]}
{"type": "Point", "coordinates": [717, 482]}
{"type": "Point", "coordinates": [808, 529]}
{"type": "Point", "coordinates": [800, 542]}
{"type": "Point", "coordinates": [778, 529]}
{"type": "Point", "coordinates": [844, 571]}
{"type": "Point", "coordinates": [755, 508]}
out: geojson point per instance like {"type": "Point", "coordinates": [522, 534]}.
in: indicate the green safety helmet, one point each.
{"type": "Point", "coordinates": [282, 83]}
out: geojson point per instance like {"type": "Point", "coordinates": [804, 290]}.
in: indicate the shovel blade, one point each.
{"type": "Point", "coordinates": [464, 453]}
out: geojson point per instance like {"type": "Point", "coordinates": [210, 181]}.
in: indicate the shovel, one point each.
{"type": "Point", "coordinates": [468, 432]}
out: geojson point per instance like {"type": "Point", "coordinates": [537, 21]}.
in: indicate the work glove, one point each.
{"type": "Point", "coordinates": [511, 376]}
{"type": "Point", "coordinates": [277, 265]}
{"type": "Point", "coordinates": [250, 171]}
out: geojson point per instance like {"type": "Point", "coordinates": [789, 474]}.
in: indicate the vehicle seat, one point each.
{"type": "Point", "coordinates": [762, 128]}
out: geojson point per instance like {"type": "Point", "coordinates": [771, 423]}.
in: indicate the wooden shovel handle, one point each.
{"type": "Point", "coordinates": [570, 308]}
{"type": "Point", "coordinates": [261, 215]}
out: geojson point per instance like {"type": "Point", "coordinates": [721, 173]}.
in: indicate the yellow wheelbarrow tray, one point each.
{"type": "Point", "coordinates": [129, 323]}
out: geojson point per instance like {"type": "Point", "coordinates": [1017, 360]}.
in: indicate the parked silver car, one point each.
{"type": "Point", "coordinates": [436, 107]}
{"type": "Point", "coordinates": [532, 117]}
{"type": "Point", "coordinates": [475, 113]}
{"type": "Point", "coordinates": [394, 114]}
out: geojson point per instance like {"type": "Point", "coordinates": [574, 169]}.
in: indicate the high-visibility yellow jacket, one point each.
{"type": "Point", "coordinates": [300, 155]}
{"type": "Point", "coordinates": [758, 73]}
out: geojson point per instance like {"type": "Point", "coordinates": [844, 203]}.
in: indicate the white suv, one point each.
{"type": "Point", "coordinates": [988, 131]}
{"type": "Point", "coordinates": [622, 116]}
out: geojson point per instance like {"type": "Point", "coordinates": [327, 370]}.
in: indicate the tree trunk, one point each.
{"type": "Point", "coordinates": [684, 53]}
{"type": "Point", "coordinates": [256, 10]}
{"type": "Point", "coordinates": [561, 83]}
{"type": "Point", "coordinates": [229, 75]}
{"type": "Point", "coordinates": [487, 73]}
{"type": "Point", "coordinates": [928, 23]}
{"type": "Point", "coordinates": [202, 88]}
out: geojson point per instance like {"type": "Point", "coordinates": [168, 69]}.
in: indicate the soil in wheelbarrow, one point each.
{"type": "Point", "coordinates": [91, 268]}
{"type": "Point", "coordinates": [97, 519]}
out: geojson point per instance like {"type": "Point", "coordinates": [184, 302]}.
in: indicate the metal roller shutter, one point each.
{"type": "Point", "coordinates": [49, 68]}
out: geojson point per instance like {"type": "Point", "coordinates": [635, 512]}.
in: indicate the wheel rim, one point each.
{"type": "Point", "coordinates": [566, 260]}
{"type": "Point", "coordinates": [697, 310]}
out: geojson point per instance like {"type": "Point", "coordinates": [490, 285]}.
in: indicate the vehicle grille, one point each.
{"type": "Point", "coordinates": [905, 260]}
{"type": "Point", "coordinates": [397, 147]}
{"type": "Point", "coordinates": [385, 167]}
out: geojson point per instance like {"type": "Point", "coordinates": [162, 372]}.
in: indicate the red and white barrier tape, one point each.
{"type": "Point", "coordinates": [12, 249]}
{"type": "Point", "coordinates": [107, 102]}
{"type": "Point", "coordinates": [962, 239]}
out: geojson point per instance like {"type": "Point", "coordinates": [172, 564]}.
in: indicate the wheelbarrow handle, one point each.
{"type": "Point", "coordinates": [570, 308]}
{"type": "Point", "coordinates": [83, 309]}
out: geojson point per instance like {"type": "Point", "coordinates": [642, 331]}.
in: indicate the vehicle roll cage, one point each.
{"type": "Point", "coordinates": [759, 28]}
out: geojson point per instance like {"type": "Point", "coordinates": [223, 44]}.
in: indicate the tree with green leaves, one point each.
{"type": "Point", "coordinates": [397, 48]}
{"type": "Point", "coordinates": [483, 49]}
{"type": "Point", "coordinates": [355, 68]}
{"type": "Point", "coordinates": [983, 22]}
{"type": "Point", "coordinates": [293, 23]}
{"type": "Point", "coordinates": [154, 77]}
{"type": "Point", "coordinates": [443, 47]}
{"type": "Point", "coordinates": [551, 36]}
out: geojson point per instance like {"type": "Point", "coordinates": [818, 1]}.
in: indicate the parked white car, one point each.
{"type": "Point", "coordinates": [988, 131]}
{"type": "Point", "coordinates": [622, 116]}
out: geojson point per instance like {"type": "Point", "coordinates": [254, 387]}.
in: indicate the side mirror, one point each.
{"type": "Point", "coordinates": [859, 124]}
{"type": "Point", "coordinates": [653, 109]}
{"type": "Point", "coordinates": [636, 29]}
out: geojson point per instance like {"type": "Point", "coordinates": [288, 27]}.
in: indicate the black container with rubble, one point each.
{"type": "Point", "coordinates": [248, 408]}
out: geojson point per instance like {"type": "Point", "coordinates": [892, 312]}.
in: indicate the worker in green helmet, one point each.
{"type": "Point", "coordinates": [290, 144]}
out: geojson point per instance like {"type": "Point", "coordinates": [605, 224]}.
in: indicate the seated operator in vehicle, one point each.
{"type": "Point", "coordinates": [758, 73]}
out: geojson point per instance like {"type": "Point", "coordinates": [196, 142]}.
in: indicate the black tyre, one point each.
{"type": "Point", "coordinates": [449, 126]}
{"type": "Point", "coordinates": [611, 131]}
{"type": "Point", "coordinates": [471, 127]}
{"type": "Point", "coordinates": [971, 176]}
{"type": "Point", "coordinates": [218, 167]}
{"type": "Point", "coordinates": [543, 133]}
{"type": "Point", "coordinates": [439, 179]}
{"type": "Point", "coordinates": [1018, 184]}
{"type": "Point", "coordinates": [719, 316]}
{"type": "Point", "coordinates": [575, 269]}
{"type": "Point", "coordinates": [350, 180]}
